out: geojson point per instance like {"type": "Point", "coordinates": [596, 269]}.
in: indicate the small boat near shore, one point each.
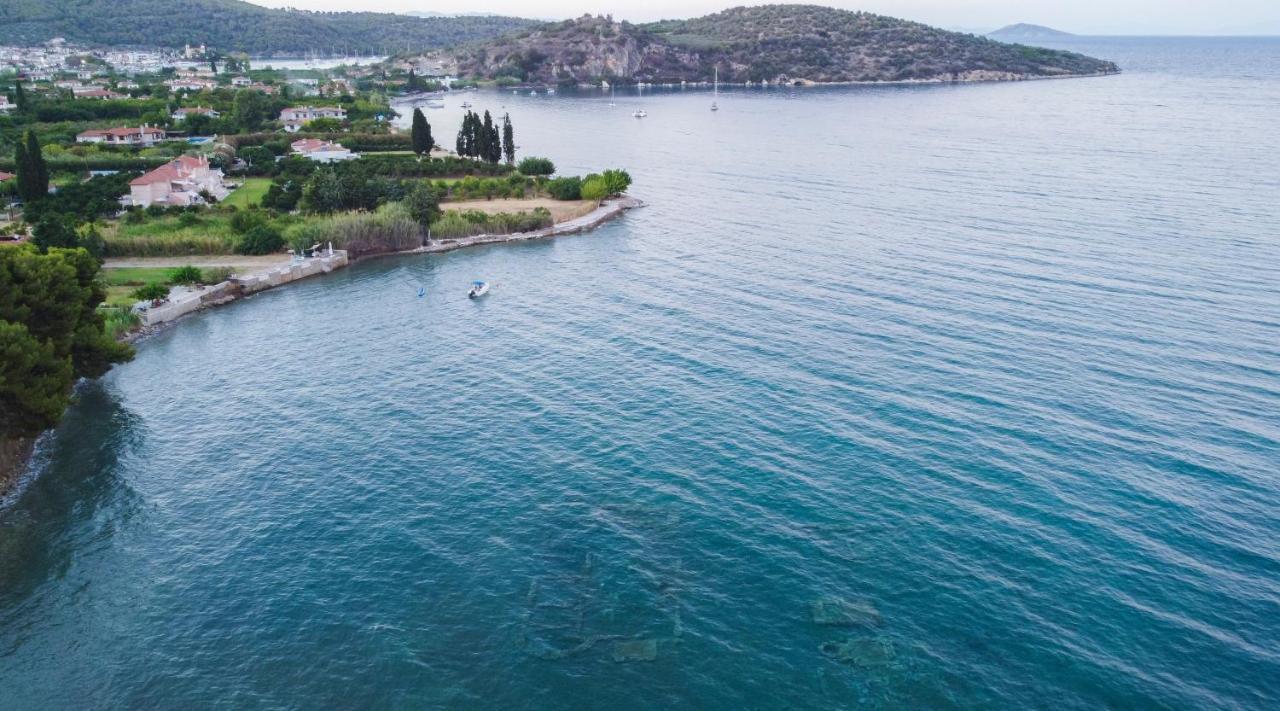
{"type": "Point", "coordinates": [478, 289]}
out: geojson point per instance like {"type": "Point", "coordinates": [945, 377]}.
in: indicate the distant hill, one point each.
{"type": "Point", "coordinates": [231, 25]}
{"type": "Point", "coordinates": [1025, 32]}
{"type": "Point", "coordinates": [777, 43]}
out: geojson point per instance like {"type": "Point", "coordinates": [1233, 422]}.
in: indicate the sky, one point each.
{"type": "Point", "coordinates": [1079, 16]}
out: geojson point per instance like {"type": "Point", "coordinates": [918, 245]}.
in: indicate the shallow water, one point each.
{"type": "Point", "coordinates": [953, 396]}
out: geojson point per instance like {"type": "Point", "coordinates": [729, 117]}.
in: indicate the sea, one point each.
{"type": "Point", "coordinates": [936, 396]}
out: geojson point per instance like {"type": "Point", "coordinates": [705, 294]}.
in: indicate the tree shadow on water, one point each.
{"type": "Point", "coordinates": [71, 495]}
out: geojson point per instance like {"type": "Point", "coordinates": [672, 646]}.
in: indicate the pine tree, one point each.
{"type": "Point", "coordinates": [508, 139]}
{"type": "Point", "coordinates": [422, 141]}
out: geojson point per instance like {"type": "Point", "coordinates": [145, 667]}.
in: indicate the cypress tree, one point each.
{"type": "Point", "coordinates": [19, 98]}
{"type": "Point", "coordinates": [486, 137]}
{"type": "Point", "coordinates": [508, 139]}
{"type": "Point", "coordinates": [422, 140]}
{"type": "Point", "coordinates": [33, 174]}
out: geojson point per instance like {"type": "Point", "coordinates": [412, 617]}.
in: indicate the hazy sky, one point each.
{"type": "Point", "coordinates": [1081, 16]}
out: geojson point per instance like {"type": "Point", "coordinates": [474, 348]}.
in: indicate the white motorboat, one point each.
{"type": "Point", "coordinates": [639, 113]}
{"type": "Point", "coordinates": [466, 104]}
{"type": "Point", "coordinates": [478, 289]}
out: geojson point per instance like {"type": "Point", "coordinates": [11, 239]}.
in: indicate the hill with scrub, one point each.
{"type": "Point", "coordinates": [774, 43]}
{"type": "Point", "coordinates": [234, 26]}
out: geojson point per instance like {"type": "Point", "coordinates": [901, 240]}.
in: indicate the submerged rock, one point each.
{"type": "Point", "coordinates": [835, 612]}
{"type": "Point", "coordinates": [635, 650]}
{"type": "Point", "coordinates": [861, 651]}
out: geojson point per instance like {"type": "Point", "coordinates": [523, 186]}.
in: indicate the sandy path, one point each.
{"type": "Point", "coordinates": [239, 262]}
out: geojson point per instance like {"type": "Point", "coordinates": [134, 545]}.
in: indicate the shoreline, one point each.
{"type": "Point", "coordinates": [799, 83]}
{"type": "Point", "coordinates": [16, 455]}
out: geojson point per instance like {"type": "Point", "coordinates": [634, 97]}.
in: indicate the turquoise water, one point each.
{"type": "Point", "coordinates": [987, 375]}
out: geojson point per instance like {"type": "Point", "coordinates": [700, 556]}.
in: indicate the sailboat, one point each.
{"type": "Point", "coordinates": [639, 113]}
{"type": "Point", "coordinates": [715, 107]}
{"type": "Point", "coordinates": [611, 96]}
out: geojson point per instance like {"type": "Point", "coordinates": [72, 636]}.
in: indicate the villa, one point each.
{"type": "Point", "coordinates": [183, 113]}
{"type": "Point", "coordinates": [141, 136]}
{"type": "Point", "coordinates": [296, 117]}
{"type": "Point", "coordinates": [190, 84]}
{"type": "Point", "coordinates": [322, 151]}
{"type": "Point", "coordinates": [97, 93]}
{"type": "Point", "coordinates": [178, 182]}
{"type": "Point", "coordinates": [241, 81]}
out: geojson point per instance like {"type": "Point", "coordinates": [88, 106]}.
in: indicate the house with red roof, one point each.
{"type": "Point", "coordinates": [140, 136]}
{"type": "Point", "coordinates": [178, 182]}
{"type": "Point", "coordinates": [6, 176]}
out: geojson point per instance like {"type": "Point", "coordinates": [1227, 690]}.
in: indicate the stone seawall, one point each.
{"type": "Point", "coordinates": [238, 287]}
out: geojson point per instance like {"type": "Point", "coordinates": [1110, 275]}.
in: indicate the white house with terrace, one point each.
{"type": "Point", "coordinates": [295, 117]}
{"type": "Point", "coordinates": [322, 151]}
{"type": "Point", "coordinates": [179, 182]}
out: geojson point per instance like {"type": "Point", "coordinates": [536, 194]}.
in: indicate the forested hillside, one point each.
{"type": "Point", "coordinates": [231, 25]}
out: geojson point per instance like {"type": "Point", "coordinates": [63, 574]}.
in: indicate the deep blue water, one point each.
{"type": "Point", "coordinates": [994, 368]}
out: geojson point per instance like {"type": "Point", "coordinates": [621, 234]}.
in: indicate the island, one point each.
{"type": "Point", "coordinates": [768, 44]}
{"type": "Point", "coordinates": [1023, 32]}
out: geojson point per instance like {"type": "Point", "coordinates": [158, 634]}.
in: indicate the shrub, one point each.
{"type": "Point", "coordinates": [536, 166]}
{"type": "Point", "coordinates": [565, 188]}
{"type": "Point", "coordinates": [244, 221]}
{"type": "Point", "coordinates": [186, 275]}
{"type": "Point", "coordinates": [390, 228]}
{"type": "Point", "coordinates": [262, 239]}
{"type": "Point", "coordinates": [117, 322]}
{"type": "Point", "coordinates": [151, 292]}
{"type": "Point", "coordinates": [188, 219]}
{"type": "Point", "coordinates": [594, 187]}
{"type": "Point", "coordinates": [215, 275]}
{"type": "Point", "coordinates": [616, 181]}
{"type": "Point", "coordinates": [455, 224]}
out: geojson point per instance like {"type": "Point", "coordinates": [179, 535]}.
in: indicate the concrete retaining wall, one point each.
{"type": "Point", "coordinates": [238, 287]}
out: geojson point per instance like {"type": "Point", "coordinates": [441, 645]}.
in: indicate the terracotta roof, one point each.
{"type": "Point", "coordinates": [307, 145]}
{"type": "Point", "coordinates": [121, 132]}
{"type": "Point", "coordinates": [176, 169]}
{"type": "Point", "coordinates": [5, 176]}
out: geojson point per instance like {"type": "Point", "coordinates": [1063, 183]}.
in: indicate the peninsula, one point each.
{"type": "Point", "coordinates": [775, 44]}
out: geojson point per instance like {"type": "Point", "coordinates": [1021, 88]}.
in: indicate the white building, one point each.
{"type": "Point", "coordinates": [178, 182]}
{"type": "Point", "coordinates": [295, 117]}
{"type": "Point", "coordinates": [183, 113]}
{"type": "Point", "coordinates": [322, 151]}
{"type": "Point", "coordinates": [5, 105]}
{"type": "Point", "coordinates": [241, 81]}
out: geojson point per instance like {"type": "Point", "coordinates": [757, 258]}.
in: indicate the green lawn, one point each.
{"type": "Point", "coordinates": [250, 194]}
{"type": "Point", "coordinates": [134, 276]}
{"type": "Point", "coordinates": [122, 281]}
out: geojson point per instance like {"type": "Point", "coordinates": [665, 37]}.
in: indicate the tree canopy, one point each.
{"type": "Point", "coordinates": [50, 334]}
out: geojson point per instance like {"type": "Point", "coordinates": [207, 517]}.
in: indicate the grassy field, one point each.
{"type": "Point", "coordinates": [134, 276]}
{"type": "Point", "coordinates": [250, 194]}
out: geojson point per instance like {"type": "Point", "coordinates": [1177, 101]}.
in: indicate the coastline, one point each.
{"type": "Point", "coordinates": [15, 455]}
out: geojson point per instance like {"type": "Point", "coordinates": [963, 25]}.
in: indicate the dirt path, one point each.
{"type": "Point", "coordinates": [236, 261]}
